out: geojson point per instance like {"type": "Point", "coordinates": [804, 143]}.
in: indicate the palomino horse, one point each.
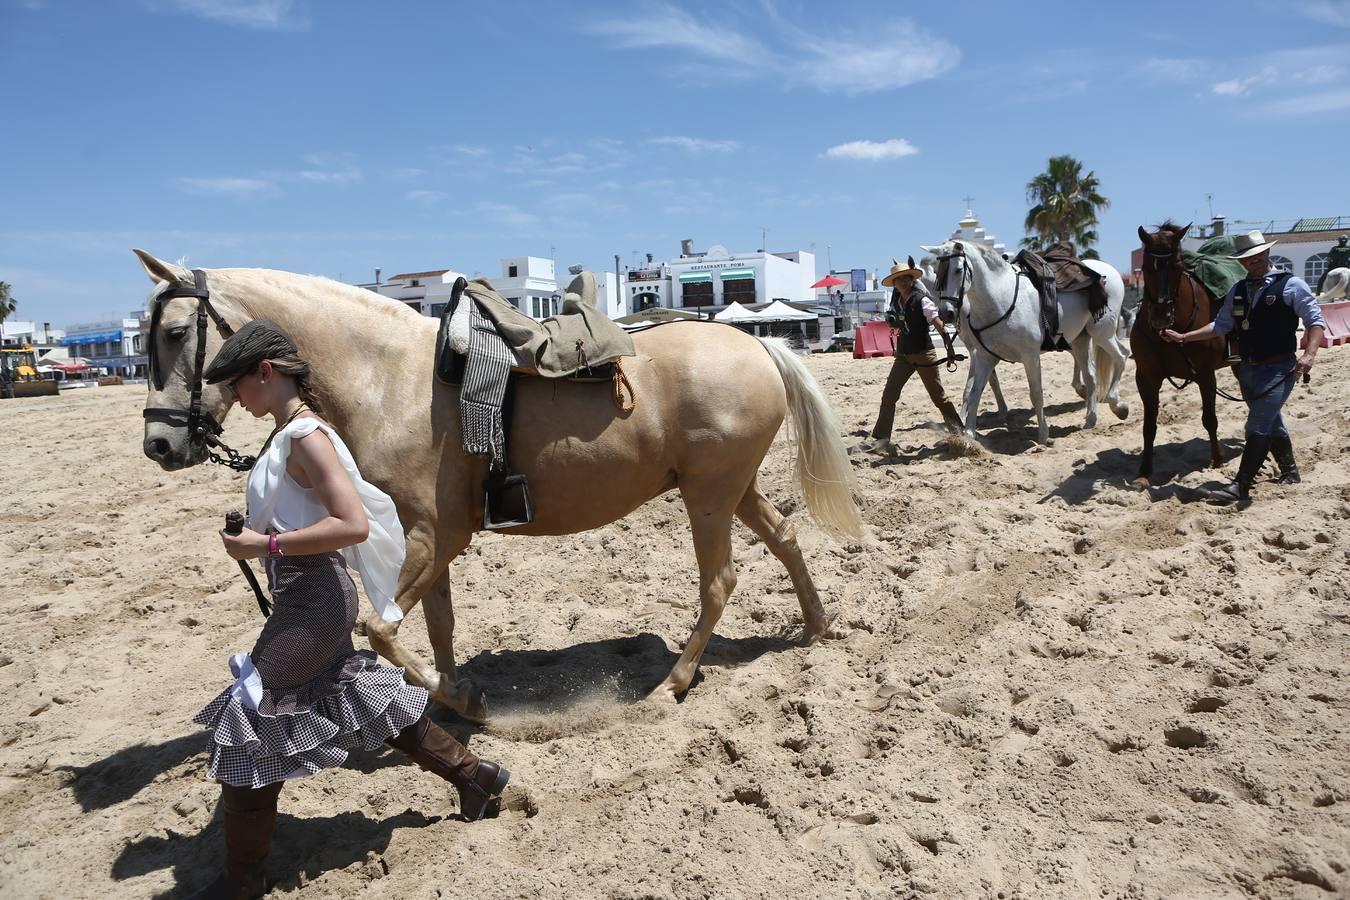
{"type": "Point", "coordinates": [1173, 298]}
{"type": "Point", "coordinates": [709, 401]}
{"type": "Point", "coordinates": [1001, 310]}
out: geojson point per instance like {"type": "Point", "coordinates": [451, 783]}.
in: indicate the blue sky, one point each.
{"type": "Point", "coordinates": [334, 137]}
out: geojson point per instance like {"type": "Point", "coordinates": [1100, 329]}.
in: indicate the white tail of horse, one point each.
{"type": "Point", "coordinates": [823, 469]}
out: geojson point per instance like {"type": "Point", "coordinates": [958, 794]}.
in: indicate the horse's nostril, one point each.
{"type": "Point", "coordinates": [157, 448]}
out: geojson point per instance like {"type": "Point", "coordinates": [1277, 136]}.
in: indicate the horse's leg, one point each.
{"type": "Point", "coordinates": [998, 397]}
{"type": "Point", "coordinates": [1116, 354]}
{"type": "Point", "coordinates": [1209, 416]}
{"type": "Point", "coordinates": [1079, 387]}
{"type": "Point", "coordinates": [1148, 388]}
{"type": "Point", "coordinates": [981, 365]}
{"type": "Point", "coordinates": [779, 535]}
{"type": "Point", "coordinates": [1083, 364]}
{"type": "Point", "coordinates": [710, 520]}
{"type": "Point", "coordinates": [1033, 366]}
{"type": "Point", "coordinates": [424, 573]}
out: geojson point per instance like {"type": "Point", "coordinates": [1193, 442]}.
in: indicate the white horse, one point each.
{"type": "Point", "coordinates": [999, 309]}
{"type": "Point", "coordinates": [929, 284]}
{"type": "Point", "coordinates": [1336, 287]}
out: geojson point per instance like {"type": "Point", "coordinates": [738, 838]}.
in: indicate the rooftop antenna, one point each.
{"type": "Point", "coordinates": [1209, 198]}
{"type": "Point", "coordinates": [763, 239]}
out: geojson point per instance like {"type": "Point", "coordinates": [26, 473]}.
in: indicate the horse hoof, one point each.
{"type": "Point", "coordinates": [1122, 410]}
{"type": "Point", "coordinates": [464, 697]}
{"type": "Point", "coordinates": [664, 694]}
{"type": "Point", "coordinates": [1089, 423]}
{"type": "Point", "coordinates": [1141, 481]}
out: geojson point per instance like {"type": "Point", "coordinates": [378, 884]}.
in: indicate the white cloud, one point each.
{"type": "Point", "coordinates": [226, 187]}
{"type": "Point", "coordinates": [696, 145]}
{"type": "Point", "coordinates": [1328, 12]}
{"type": "Point", "coordinates": [1310, 104]}
{"type": "Point", "coordinates": [506, 215]}
{"type": "Point", "coordinates": [425, 196]}
{"type": "Point", "coordinates": [838, 60]}
{"type": "Point", "coordinates": [1171, 70]}
{"type": "Point", "coordinates": [266, 15]}
{"type": "Point", "coordinates": [873, 151]}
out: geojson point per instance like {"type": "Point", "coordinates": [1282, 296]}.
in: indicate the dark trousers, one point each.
{"type": "Point", "coordinates": [906, 364]}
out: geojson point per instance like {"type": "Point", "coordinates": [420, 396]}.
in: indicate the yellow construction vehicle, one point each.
{"type": "Point", "coordinates": [19, 376]}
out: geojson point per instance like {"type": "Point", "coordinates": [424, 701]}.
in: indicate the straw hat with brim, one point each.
{"type": "Point", "coordinates": [1250, 244]}
{"type": "Point", "coordinates": [900, 270]}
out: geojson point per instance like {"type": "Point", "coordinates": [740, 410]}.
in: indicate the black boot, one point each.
{"type": "Point", "coordinates": [1253, 455]}
{"type": "Point", "coordinates": [1282, 450]}
{"type": "Point", "coordinates": [249, 817]}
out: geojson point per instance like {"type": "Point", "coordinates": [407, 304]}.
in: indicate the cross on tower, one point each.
{"type": "Point", "coordinates": [969, 200]}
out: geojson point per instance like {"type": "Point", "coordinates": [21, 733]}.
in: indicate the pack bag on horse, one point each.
{"type": "Point", "coordinates": [1180, 291]}
{"type": "Point", "coordinates": [710, 400]}
{"type": "Point", "coordinates": [1001, 309]}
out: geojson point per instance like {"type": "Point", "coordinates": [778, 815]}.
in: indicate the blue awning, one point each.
{"type": "Point", "coordinates": [91, 337]}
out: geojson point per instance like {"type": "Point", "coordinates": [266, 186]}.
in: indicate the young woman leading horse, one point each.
{"type": "Point", "coordinates": [709, 402]}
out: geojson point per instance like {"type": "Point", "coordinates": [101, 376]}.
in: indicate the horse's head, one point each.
{"type": "Point", "coordinates": [1163, 270]}
{"type": "Point", "coordinates": [185, 332]}
{"type": "Point", "coordinates": [948, 280]}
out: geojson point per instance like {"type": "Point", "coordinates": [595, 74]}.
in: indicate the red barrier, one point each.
{"type": "Point", "coordinates": [873, 339]}
{"type": "Point", "coordinates": [1337, 316]}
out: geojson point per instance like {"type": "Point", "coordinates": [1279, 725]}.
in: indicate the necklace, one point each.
{"type": "Point", "coordinates": [289, 419]}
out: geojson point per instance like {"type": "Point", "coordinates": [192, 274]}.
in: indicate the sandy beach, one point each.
{"type": "Point", "coordinates": [1050, 683]}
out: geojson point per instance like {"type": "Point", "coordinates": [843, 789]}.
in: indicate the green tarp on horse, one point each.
{"type": "Point", "coordinates": [1210, 263]}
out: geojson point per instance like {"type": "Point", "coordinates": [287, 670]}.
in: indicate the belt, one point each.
{"type": "Point", "coordinates": [1278, 357]}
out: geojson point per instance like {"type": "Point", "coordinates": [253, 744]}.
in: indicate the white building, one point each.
{"type": "Point", "coordinates": [14, 333]}
{"type": "Point", "coordinates": [529, 282]}
{"type": "Point", "coordinates": [712, 279]}
{"type": "Point", "coordinates": [115, 346]}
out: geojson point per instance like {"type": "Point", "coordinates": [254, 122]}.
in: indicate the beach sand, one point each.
{"type": "Point", "coordinates": [1050, 684]}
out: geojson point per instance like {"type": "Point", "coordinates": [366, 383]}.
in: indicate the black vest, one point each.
{"type": "Point", "coordinates": [1268, 326]}
{"type": "Point", "coordinates": [909, 318]}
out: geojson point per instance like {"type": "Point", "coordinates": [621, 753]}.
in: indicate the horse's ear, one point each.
{"type": "Point", "coordinates": [1144, 236]}
{"type": "Point", "coordinates": [1187, 230]}
{"type": "Point", "coordinates": [911, 262]}
{"type": "Point", "coordinates": [159, 270]}
{"type": "Point", "coordinates": [929, 248]}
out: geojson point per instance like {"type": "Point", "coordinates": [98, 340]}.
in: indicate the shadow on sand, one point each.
{"type": "Point", "coordinates": [1118, 467]}
{"type": "Point", "coordinates": [624, 669]}
{"type": "Point", "coordinates": [305, 847]}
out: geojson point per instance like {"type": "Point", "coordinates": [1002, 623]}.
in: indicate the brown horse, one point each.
{"type": "Point", "coordinates": [1173, 298]}
{"type": "Point", "coordinates": [710, 401]}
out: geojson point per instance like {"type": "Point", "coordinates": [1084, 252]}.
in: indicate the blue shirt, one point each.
{"type": "Point", "coordinates": [1296, 295]}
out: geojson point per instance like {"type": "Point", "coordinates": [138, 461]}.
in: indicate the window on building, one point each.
{"type": "Point", "coordinates": [415, 283]}
{"type": "Point", "coordinates": [697, 293]}
{"type": "Point", "coordinates": [135, 343]}
{"type": "Point", "coordinates": [738, 290]}
{"type": "Point", "coordinates": [1282, 263]}
{"type": "Point", "coordinates": [1314, 267]}
{"type": "Point", "coordinates": [510, 271]}
{"type": "Point", "coordinates": [543, 307]}
{"type": "Point", "coordinates": [438, 310]}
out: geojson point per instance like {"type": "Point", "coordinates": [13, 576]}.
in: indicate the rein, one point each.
{"type": "Point", "coordinates": [203, 430]}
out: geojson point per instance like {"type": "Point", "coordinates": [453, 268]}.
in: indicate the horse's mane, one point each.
{"type": "Point", "coordinates": [1171, 228]}
{"type": "Point", "coordinates": [992, 258]}
{"type": "Point", "coordinates": [334, 290]}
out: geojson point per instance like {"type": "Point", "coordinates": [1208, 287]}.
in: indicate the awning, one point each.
{"type": "Point", "coordinates": [737, 313]}
{"type": "Point", "coordinates": [93, 337]}
{"type": "Point", "coordinates": [736, 273]}
{"type": "Point", "coordinates": [70, 367]}
{"type": "Point", "coordinates": [695, 276]}
{"type": "Point", "coordinates": [781, 312]}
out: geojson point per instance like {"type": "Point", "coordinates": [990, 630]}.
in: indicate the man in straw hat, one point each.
{"type": "Point", "coordinates": [910, 312]}
{"type": "Point", "coordinates": [1265, 307]}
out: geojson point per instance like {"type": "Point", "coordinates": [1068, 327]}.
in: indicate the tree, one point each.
{"type": "Point", "coordinates": [1064, 204]}
{"type": "Point", "coordinates": [7, 302]}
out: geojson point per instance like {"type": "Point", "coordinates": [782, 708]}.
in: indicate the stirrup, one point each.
{"type": "Point", "coordinates": [506, 501]}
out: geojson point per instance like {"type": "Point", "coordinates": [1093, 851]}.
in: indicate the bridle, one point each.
{"type": "Point", "coordinates": [944, 263]}
{"type": "Point", "coordinates": [202, 428]}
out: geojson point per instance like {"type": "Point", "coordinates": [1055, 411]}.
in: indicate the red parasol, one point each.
{"type": "Point", "coordinates": [828, 281]}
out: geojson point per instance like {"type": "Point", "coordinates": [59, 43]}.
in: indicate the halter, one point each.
{"type": "Point", "coordinates": [960, 298]}
{"type": "Point", "coordinates": [203, 430]}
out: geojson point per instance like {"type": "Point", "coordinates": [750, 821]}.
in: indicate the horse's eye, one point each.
{"type": "Point", "coordinates": [177, 334]}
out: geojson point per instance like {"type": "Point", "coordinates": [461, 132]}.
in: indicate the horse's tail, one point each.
{"type": "Point", "coordinates": [1105, 367]}
{"type": "Point", "coordinates": [823, 469]}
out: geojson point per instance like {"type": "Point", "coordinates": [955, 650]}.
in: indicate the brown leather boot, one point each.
{"type": "Point", "coordinates": [250, 814]}
{"type": "Point", "coordinates": [478, 781]}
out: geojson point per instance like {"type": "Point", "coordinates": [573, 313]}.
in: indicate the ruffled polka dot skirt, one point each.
{"type": "Point", "coordinates": [320, 698]}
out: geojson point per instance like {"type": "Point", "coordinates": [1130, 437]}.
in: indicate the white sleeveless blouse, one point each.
{"type": "Point", "coordinates": [277, 501]}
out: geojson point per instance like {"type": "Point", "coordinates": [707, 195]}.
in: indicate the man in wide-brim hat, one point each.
{"type": "Point", "coordinates": [1265, 308]}
{"type": "Point", "coordinates": [910, 312]}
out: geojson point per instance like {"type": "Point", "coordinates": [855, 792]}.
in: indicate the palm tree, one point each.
{"type": "Point", "coordinates": [1064, 204]}
{"type": "Point", "coordinates": [7, 302]}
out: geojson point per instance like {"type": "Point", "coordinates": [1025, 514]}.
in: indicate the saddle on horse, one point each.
{"type": "Point", "coordinates": [484, 345]}
{"type": "Point", "coordinates": [1057, 269]}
